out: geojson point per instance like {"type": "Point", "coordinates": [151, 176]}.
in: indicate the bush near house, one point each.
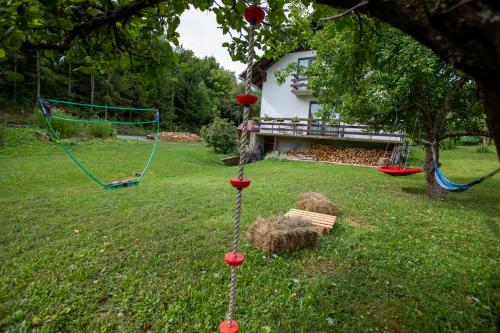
{"type": "Point", "coordinates": [220, 135]}
{"type": "Point", "coordinates": [276, 156]}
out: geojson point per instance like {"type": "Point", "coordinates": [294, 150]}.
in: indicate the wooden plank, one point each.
{"type": "Point", "coordinates": [313, 214]}
{"type": "Point", "coordinates": [320, 216]}
{"type": "Point", "coordinates": [329, 226]}
{"type": "Point", "coordinates": [329, 223]}
{"type": "Point", "coordinates": [326, 222]}
{"type": "Point", "coordinates": [317, 219]}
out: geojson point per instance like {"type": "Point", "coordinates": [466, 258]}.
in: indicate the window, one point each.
{"type": "Point", "coordinates": [305, 62]}
{"type": "Point", "coordinates": [315, 107]}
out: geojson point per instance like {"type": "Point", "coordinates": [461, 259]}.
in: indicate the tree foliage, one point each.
{"type": "Point", "coordinates": [189, 91]}
{"type": "Point", "coordinates": [220, 135]}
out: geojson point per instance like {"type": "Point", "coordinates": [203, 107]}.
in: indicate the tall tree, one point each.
{"type": "Point", "coordinates": [38, 83]}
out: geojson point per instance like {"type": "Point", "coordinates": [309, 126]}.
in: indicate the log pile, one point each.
{"type": "Point", "coordinates": [179, 136]}
{"type": "Point", "coordinates": [349, 155]}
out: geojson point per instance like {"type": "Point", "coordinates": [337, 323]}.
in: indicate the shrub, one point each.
{"type": "Point", "coordinates": [470, 140]}
{"type": "Point", "coordinates": [101, 130]}
{"type": "Point", "coordinates": [220, 135]}
{"type": "Point", "coordinates": [65, 129]}
{"type": "Point", "coordinates": [276, 156]}
{"type": "Point", "coordinates": [483, 149]}
{"type": "Point", "coordinates": [448, 144]}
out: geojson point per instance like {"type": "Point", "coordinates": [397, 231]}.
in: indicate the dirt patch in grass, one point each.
{"type": "Point", "coordinates": [360, 222]}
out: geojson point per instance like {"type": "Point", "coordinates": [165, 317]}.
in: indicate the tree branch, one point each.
{"type": "Point", "coordinates": [108, 17]}
{"type": "Point", "coordinates": [463, 133]}
{"type": "Point", "coordinates": [457, 86]}
{"type": "Point", "coordinates": [353, 8]}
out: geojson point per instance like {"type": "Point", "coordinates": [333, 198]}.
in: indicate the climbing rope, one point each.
{"type": "Point", "coordinates": [254, 15]}
{"type": "Point", "coordinates": [408, 146]}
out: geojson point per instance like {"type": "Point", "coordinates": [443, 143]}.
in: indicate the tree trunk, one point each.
{"type": "Point", "coordinates": [491, 102]}
{"type": "Point", "coordinates": [433, 190]}
{"type": "Point", "coordinates": [92, 88]}
{"type": "Point", "coordinates": [38, 74]}
{"type": "Point", "coordinates": [69, 79]}
{"type": "Point", "coordinates": [14, 97]}
{"type": "Point", "coordinates": [107, 99]}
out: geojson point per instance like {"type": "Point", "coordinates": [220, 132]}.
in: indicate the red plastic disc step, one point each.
{"type": "Point", "coordinates": [240, 183]}
{"type": "Point", "coordinates": [254, 15]}
{"type": "Point", "coordinates": [246, 99]}
{"type": "Point", "coordinates": [224, 328]}
{"type": "Point", "coordinates": [233, 261]}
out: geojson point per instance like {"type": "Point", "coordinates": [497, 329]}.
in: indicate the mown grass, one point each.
{"type": "Point", "coordinates": [152, 255]}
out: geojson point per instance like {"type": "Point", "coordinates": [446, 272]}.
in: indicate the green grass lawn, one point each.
{"type": "Point", "coordinates": [153, 255]}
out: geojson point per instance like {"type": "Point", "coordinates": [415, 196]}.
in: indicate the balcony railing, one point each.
{"type": "Point", "coordinates": [299, 85]}
{"type": "Point", "coordinates": [315, 128]}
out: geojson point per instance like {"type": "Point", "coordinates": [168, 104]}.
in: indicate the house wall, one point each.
{"type": "Point", "coordinates": [278, 101]}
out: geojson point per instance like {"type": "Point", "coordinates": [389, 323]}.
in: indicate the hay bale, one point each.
{"type": "Point", "coordinates": [279, 234]}
{"type": "Point", "coordinates": [316, 202]}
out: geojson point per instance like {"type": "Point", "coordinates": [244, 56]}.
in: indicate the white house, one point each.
{"type": "Point", "coordinates": [288, 110]}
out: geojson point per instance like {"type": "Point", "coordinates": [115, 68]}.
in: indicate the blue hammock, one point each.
{"type": "Point", "coordinates": [454, 187]}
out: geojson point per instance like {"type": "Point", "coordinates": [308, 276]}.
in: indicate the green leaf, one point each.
{"type": "Point", "coordinates": [2, 53]}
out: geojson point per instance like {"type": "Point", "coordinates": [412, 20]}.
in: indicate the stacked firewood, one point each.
{"type": "Point", "coordinates": [179, 136]}
{"type": "Point", "coordinates": [350, 155]}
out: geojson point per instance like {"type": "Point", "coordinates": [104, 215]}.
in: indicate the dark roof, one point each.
{"type": "Point", "coordinates": [258, 72]}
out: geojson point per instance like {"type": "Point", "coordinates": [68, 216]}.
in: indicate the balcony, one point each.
{"type": "Point", "coordinates": [303, 127]}
{"type": "Point", "coordinates": [299, 85]}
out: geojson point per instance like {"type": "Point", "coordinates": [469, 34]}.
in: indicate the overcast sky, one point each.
{"type": "Point", "coordinates": [200, 34]}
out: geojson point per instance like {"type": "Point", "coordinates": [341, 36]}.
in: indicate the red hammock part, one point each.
{"type": "Point", "coordinates": [399, 171]}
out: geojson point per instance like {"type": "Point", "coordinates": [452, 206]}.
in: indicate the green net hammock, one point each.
{"type": "Point", "coordinates": [48, 112]}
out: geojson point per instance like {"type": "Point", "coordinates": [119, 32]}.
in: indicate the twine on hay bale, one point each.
{"type": "Point", "coordinates": [317, 203]}
{"type": "Point", "coordinates": [278, 234]}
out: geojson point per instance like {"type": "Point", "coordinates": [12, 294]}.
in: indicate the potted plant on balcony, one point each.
{"type": "Point", "coordinates": [333, 122]}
